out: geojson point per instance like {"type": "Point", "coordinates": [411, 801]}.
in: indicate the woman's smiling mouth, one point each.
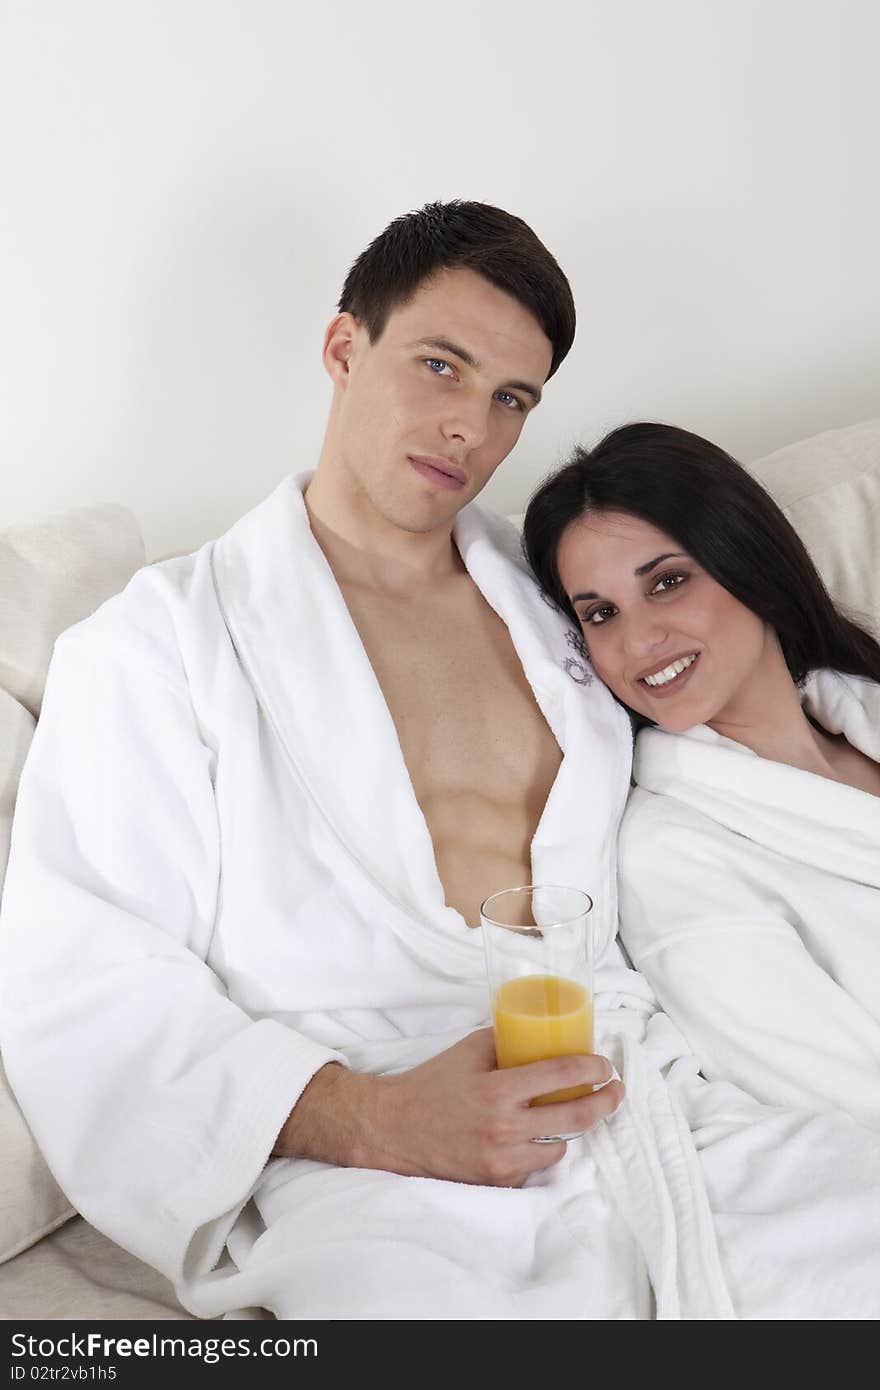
{"type": "Point", "coordinates": [669, 679]}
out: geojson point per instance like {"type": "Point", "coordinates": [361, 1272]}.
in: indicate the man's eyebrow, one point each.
{"type": "Point", "coordinates": [445, 345]}
{"type": "Point", "coordinates": [642, 569]}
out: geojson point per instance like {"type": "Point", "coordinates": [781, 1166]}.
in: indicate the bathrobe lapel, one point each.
{"type": "Point", "coordinates": [576, 839]}
{"type": "Point", "coordinates": [294, 636]}
{"type": "Point", "coordinates": [807, 818]}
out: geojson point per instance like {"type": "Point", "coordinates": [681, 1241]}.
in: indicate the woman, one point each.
{"type": "Point", "coordinates": [750, 850]}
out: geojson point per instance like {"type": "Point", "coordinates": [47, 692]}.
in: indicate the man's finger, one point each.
{"type": "Point", "coordinates": [539, 1156]}
{"type": "Point", "coordinates": [574, 1116]}
{"type": "Point", "coordinates": [556, 1074]}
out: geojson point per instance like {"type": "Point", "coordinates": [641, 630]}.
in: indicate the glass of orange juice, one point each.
{"type": "Point", "coordinates": [539, 958]}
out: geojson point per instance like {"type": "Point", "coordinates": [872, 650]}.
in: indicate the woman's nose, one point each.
{"type": "Point", "coordinates": [644, 632]}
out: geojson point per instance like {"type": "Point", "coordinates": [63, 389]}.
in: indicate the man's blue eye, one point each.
{"type": "Point", "coordinates": [509, 400]}
{"type": "Point", "coordinates": [434, 362]}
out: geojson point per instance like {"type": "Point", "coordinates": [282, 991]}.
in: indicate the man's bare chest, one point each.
{"type": "Point", "coordinates": [465, 715]}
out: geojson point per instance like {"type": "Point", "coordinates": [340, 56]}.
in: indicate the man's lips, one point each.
{"type": "Point", "coordinates": [438, 470]}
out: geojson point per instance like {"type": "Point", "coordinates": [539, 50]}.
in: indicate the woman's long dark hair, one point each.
{"type": "Point", "coordinates": [722, 517]}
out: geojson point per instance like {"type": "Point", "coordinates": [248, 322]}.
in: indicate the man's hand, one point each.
{"type": "Point", "coordinates": [456, 1116]}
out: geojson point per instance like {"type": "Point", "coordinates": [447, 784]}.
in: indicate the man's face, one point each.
{"type": "Point", "coordinates": [425, 414]}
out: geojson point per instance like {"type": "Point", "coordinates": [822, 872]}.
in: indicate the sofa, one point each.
{"type": "Point", "coordinates": [53, 1265]}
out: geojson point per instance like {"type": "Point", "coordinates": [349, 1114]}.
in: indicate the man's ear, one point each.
{"type": "Point", "coordinates": [340, 342]}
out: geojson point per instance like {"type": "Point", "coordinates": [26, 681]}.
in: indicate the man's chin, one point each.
{"type": "Point", "coordinates": [437, 514]}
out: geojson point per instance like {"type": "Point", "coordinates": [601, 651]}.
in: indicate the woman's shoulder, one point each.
{"type": "Point", "coordinates": [670, 841]}
{"type": "Point", "coordinates": [845, 704]}
{"type": "Point", "coordinates": [658, 828]}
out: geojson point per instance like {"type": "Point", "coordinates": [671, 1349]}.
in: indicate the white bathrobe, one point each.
{"type": "Point", "coordinates": [220, 880]}
{"type": "Point", "coordinates": [750, 897]}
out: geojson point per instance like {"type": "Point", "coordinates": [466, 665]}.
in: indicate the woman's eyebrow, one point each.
{"type": "Point", "coordinates": [642, 569]}
{"type": "Point", "coordinates": [670, 555]}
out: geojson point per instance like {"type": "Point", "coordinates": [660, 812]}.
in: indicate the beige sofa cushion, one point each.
{"type": "Point", "coordinates": [829, 488]}
{"type": "Point", "coordinates": [78, 1274]}
{"type": "Point", "coordinates": [51, 575]}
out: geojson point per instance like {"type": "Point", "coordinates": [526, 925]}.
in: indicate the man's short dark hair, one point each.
{"type": "Point", "coordinates": [460, 236]}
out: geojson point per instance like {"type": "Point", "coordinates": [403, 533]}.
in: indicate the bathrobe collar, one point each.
{"type": "Point", "coordinates": [805, 817]}
{"type": "Point", "coordinates": [296, 640]}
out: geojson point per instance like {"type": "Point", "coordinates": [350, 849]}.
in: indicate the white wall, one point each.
{"type": "Point", "coordinates": [185, 183]}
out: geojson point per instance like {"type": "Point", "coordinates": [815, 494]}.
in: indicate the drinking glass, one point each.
{"type": "Point", "coordinates": [539, 959]}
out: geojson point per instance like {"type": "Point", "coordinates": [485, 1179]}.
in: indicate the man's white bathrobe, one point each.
{"type": "Point", "coordinates": [220, 880]}
{"type": "Point", "coordinates": [750, 898]}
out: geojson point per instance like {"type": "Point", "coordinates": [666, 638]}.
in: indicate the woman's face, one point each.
{"type": "Point", "coordinates": [664, 636]}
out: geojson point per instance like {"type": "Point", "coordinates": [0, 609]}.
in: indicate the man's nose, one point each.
{"type": "Point", "coordinates": [467, 419]}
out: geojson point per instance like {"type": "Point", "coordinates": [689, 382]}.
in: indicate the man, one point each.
{"type": "Point", "coordinates": [272, 783]}
{"type": "Point", "coordinates": [435, 369]}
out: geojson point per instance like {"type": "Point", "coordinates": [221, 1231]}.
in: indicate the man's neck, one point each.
{"type": "Point", "coordinates": [364, 548]}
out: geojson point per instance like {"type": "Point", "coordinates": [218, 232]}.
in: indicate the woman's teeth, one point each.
{"type": "Point", "coordinates": [670, 672]}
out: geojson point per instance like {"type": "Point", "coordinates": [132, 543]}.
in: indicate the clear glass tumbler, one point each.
{"type": "Point", "coordinates": [539, 958]}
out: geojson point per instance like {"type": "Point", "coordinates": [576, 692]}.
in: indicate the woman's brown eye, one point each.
{"type": "Point", "coordinates": [669, 581]}
{"type": "Point", "coordinates": [598, 613]}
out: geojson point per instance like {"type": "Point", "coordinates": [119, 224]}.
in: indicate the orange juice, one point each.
{"type": "Point", "coordinates": [541, 1016]}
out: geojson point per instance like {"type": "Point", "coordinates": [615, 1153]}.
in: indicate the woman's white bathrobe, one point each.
{"type": "Point", "coordinates": [750, 897]}
{"type": "Point", "coordinates": [220, 879]}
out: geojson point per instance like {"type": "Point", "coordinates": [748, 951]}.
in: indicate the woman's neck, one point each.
{"type": "Point", "coordinates": [766, 715]}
